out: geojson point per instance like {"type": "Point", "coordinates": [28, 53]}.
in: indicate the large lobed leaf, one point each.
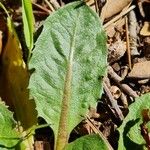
{"type": "Point", "coordinates": [130, 132]}
{"type": "Point", "coordinates": [69, 58]}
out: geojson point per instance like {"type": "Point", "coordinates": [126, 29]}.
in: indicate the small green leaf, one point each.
{"type": "Point", "coordinates": [69, 57]}
{"type": "Point", "coordinates": [28, 24]}
{"type": "Point", "coordinates": [9, 137]}
{"type": "Point", "coordinates": [88, 142]}
{"type": "Point", "coordinates": [130, 132]}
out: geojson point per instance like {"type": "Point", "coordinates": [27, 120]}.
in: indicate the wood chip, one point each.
{"type": "Point", "coordinates": [113, 7]}
{"type": "Point", "coordinates": [145, 29]}
{"type": "Point", "coordinates": [140, 70]}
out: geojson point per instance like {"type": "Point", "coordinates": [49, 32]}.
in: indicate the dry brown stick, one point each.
{"type": "Point", "coordinates": [113, 102]}
{"type": "Point", "coordinates": [141, 9]}
{"type": "Point", "coordinates": [97, 131]}
{"type": "Point", "coordinates": [128, 42]}
{"type": "Point", "coordinates": [42, 8]}
{"type": "Point", "coordinates": [96, 6]}
{"type": "Point", "coordinates": [140, 5]}
{"type": "Point", "coordinates": [49, 5]}
{"type": "Point", "coordinates": [118, 79]}
{"type": "Point", "coordinates": [62, 3]}
{"type": "Point", "coordinates": [114, 75]}
{"type": "Point", "coordinates": [55, 4]}
{"type": "Point", "coordinates": [128, 90]}
{"type": "Point", "coordinates": [119, 16]}
{"type": "Point", "coordinates": [124, 100]}
{"type": "Point", "coordinates": [107, 81]}
{"type": "Point", "coordinates": [133, 33]}
{"type": "Point", "coordinates": [124, 71]}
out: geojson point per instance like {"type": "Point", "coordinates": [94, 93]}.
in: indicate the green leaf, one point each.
{"type": "Point", "coordinates": [88, 142]}
{"type": "Point", "coordinates": [28, 24]}
{"type": "Point", "coordinates": [9, 137]}
{"type": "Point", "coordinates": [69, 60]}
{"type": "Point", "coordinates": [130, 132]}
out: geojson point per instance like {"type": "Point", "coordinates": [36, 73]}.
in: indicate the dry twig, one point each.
{"type": "Point", "coordinates": [49, 5]}
{"type": "Point", "coordinates": [118, 79]}
{"type": "Point", "coordinates": [140, 4]}
{"type": "Point", "coordinates": [42, 8]}
{"type": "Point", "coordinates": [133, 33]}
{"type": "Point", "coordinates": [128, 42]}
{"type": "Point", "coordinates": [53, 4]}
{"type": "Point", "coordinates": [119, 16]}
{"type": "Point", "coordinates": [113, 102]}
{"type": "Point", "coordinates": [124, 100]}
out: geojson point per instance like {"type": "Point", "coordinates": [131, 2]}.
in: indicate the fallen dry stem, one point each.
{"type": "Point", "coordinates": [113, 102]}
{"type": "Point", "coordinates": [42, 8]}
{"type": "Point", "coordinates": [140, 5]}
{"type": "Point", "coordinates": [55, 4]}
{"type": "Point", "coordinates": [133, 33]}
{"type": "Point", "coordinates": [118, 16]}
{"type": "Point", "coordinates": [114, 75]}
{"type": "Point", "coordinates": [124, 100]}
{"type": "Point", "coordinates": [128, 42]}
{"type": "Point", "coordinates": [49, 5]}
{"type": "Point", "coordinates": [118, 80]}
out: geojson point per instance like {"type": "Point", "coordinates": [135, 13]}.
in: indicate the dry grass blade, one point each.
{"type": "Point", "coordinates": [53, 4]}
{"type": "Point", "coordinates": [49, 5]}
{"type": "Point", "coordinates": [42, 8]}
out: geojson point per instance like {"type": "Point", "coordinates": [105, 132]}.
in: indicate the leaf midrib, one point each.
{"type": "Point", "coordinates": [63, 134]}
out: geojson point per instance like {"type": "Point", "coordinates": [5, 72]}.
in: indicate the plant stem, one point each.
{"type": "Point", "coordinates": [62, 137]}
{"type": "Point", "coordinates": [63, 134]}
